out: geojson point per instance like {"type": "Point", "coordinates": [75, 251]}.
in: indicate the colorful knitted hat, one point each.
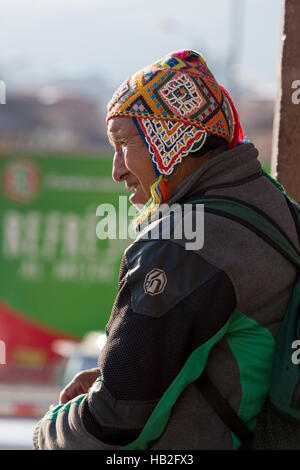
{"type": "Point", "coordinates": [174, 103]}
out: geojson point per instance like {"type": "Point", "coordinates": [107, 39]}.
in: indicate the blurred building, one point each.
{"type": "Point", "coordinates": [52, 119]}
{"type": "Point", "coordinates": [257, 115]}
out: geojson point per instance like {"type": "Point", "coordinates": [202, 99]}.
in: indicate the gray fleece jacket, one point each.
{"type": "Point", "coordinates": [179, 312]}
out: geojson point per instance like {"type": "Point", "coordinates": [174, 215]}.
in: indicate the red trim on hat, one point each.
{"type": "Point", "coordinates": [238, 135]}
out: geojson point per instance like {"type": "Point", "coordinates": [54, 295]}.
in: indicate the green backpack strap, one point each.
{"type": "Point", "coordinates": [252, 218]}
{"type": "Point", "coordinates": [285, 379]}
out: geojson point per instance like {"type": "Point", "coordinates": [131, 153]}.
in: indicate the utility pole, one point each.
{"type": "Point", "coordinates": [285, 165]}
{"type": "Point", "coordinates": [235, 50]}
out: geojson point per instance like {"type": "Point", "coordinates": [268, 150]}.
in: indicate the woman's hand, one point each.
{"type": "Point", "coordinates": [80, 384]}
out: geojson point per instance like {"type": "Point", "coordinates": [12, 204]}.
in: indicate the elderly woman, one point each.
{"type": "Point", "coordinates": [177, 137]}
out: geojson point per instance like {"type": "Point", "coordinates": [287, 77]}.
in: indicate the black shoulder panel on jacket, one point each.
{"type": "Point", "coordinates": [162, 273]}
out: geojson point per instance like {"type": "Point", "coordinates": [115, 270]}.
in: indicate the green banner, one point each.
{"type": "Point", "coordinates": [54, 269]}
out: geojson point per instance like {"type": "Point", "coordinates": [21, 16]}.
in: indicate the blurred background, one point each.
{"type": "Point", "coordinates": [61, 62]}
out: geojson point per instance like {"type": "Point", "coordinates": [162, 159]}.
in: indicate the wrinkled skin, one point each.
{"type": "Point", "coordinates": [132, 163]}
{"type": "Point", "coordinates": [80, 384]}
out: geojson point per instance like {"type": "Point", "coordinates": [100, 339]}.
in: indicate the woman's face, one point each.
{"type": "Point", "coordinates": [132, 162]}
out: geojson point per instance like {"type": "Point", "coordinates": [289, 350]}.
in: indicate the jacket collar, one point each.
{"type": "Point", "coordinates": [227, 167]}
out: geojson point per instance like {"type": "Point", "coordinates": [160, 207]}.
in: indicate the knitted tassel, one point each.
{"type": "Point", "coordinates": [160, 190]}
{"type": "Point", "coordinates": [159, 195]}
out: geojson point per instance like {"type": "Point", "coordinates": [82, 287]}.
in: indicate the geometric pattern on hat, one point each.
{"type": "Point", "coordinates": [169, 142]}
{"type": "Point", "coordinates": [178, 87]}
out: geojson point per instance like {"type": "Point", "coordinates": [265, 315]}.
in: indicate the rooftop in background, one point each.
{"type": "Point", "coordinates": [52, 118]}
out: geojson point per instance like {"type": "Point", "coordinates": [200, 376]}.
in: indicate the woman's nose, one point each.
{"type": "Point", "coordinates": [119, 169]}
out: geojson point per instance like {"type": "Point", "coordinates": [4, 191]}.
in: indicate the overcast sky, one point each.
{"type": "Point", "coordinates": [42, 39]}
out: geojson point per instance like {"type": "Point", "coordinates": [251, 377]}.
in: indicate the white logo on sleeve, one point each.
{"type": "Point", "coordinates": [155, 282]}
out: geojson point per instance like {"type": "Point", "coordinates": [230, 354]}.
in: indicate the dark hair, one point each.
{"type": "Point", "coordinates": [212, 143]}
